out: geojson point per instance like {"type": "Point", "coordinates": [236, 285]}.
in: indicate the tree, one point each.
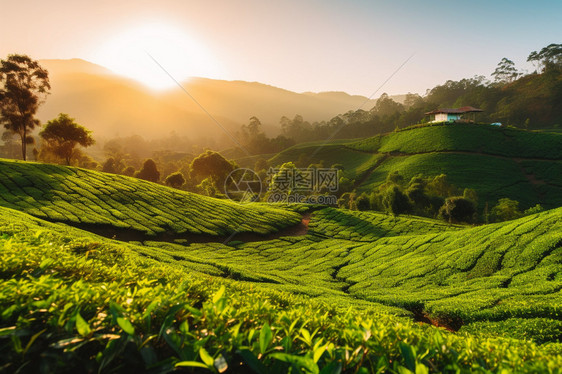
{"type": "Point", "coordinates": [363, 202]}
{"type": "Point", "coordinates": [129, 171]}
{"type": "Point", "coordinates": [149, 171]}
{"type": "Point", "coordinates": [175, 180]}
{"type": "Point", "coordinates": [548, 57]}
{"type": "Point", "coordinates": [533, 210]}
{"type": "Point", "coordinates": [23, 87]}
{"type": "Point", "coordinates": [395, 201]}
{"type": "Point", "coordinates": [505, 210]}
{"type": "Point", "coordinates": [505, 72]}
{"type": "Point", "coordinates": [62, 135]}
{"type": "Point", "coordinates": [347, 200]}
{"type": "Point", "coordinates": [417, 195]}
{"type": "Point", "coordinates": [386, 107]}
{"type": "Point", "coordinates": [458, 209]}
{"type": "Point", "coordinates": [109, 166]}
{"type": "Point", "coordinates": [254, 127]}
{"type": "Point", "coordinates": [283, 180]}
{"type": "Point", "coordinates": [212, 165]}
{"type": "Point", "coordinates": [11, 148]}
{"type": "Point", "coordinates": [440, 186]}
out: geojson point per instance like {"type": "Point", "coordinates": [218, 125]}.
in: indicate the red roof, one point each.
{"type": "Point", "coordinates": [461, 110]}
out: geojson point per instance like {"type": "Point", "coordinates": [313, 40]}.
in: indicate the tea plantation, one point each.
{"type": "Point", "coordinates": [358, 292]}
{"type": "Point", "coordinates": [112, 202]}
{"type": "Point", "coordinates": [75, 302]}
{"type": "Point", "coordinates": [497, 162]}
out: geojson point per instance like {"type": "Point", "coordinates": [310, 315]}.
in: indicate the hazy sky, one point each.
{"type": "Point", "coordinates": [300, 45]}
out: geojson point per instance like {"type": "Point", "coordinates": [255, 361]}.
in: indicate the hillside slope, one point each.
{"type": "Point", "coordinates": [114, 204]}
{"type": "Point", "coordinates": [496, 162]}
{"type": "Point", "coordinates": [73, 301]}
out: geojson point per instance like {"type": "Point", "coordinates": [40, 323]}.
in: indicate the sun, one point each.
{"type": "Point", "coordinates": [154, 53]}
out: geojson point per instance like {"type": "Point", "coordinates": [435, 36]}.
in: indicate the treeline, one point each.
{"type": "Point", "coordinates": [524, 100]}
{"type": "Point", "coordinates": [432, 197]}
{"type": "Point", "coordinates": [530, 101]}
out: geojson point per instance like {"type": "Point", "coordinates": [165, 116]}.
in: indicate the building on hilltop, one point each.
{"type": "Point", "coordinates": [454, 115]}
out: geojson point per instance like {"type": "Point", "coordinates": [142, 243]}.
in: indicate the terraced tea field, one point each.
{"type": "Point", "coordinates": [68, 296]}
{"type": "Point", "coordinates": [115, 204]}
{"type": "Point", "coordinates": [470, 155]}
{"type": "Point", "coordinates": [77, 301]}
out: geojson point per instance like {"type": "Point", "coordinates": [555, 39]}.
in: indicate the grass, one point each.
{"type": "Point", "coordinates": [84, 197]}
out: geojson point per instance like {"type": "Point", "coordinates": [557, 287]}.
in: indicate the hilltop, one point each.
{"type": "Point", "coordinates": [496, 162]}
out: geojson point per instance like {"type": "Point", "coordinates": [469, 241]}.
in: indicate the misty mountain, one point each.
{"type": "Point", "coordinates": [111, 105]}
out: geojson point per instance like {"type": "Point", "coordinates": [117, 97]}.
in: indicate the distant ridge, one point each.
{"type": "Point", "coordinates": [112, 105]}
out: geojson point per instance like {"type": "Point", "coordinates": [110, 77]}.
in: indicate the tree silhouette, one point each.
{"type": "Point", "coordinates": [23, 87]}
{"type": "Point", "coordinates": [149, 171]}
{"type": "Point", "coordinates": [175, 180]}
{"type": "Point", "coordinates": [505, 72]}
{"type": "Point", "coordinates": [549, 56]}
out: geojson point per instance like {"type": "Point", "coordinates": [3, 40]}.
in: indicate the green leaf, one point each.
{"type": "Point", "coordinates": [195, 364]}
{"type": "Point", "coordinates": [65, 342]}
{"type": "Point", "coordinates": [173, 340]}
{"type": "Point", "coordinates": [318, 352]}
{"type": "Point", "coordinates": [333, 367]}
{"type": "Point", "coordinates": [404, 370]}
{"type": "Point", "coordinates": [184, 327]}
{"type": "Point", "coordinates": [409, 354]}
{"type": "Point", "coordinates": [82, 326]}
{"type": "Point", "coordinates": [266, 337]}
{"type": "Point", "coordinates": [126, 325]}
{"type": "Point", "coordinates": [7, 331]}
{"type": "Point", "coordinates": [206, 357]}
{"type": "Point", "coordinates": [299, 363]}
{"type": "Point", "coordinates": [421, 369]}
{"type": "Point", "coordinates": [46, 263]}
{"type": "Point", "coordinates": [33, 338]}
{"type": "Point", "coordinates": [219, 294]}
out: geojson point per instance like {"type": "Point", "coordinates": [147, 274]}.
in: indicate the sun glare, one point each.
{"type": "Point", "coordinates": [128, 54]}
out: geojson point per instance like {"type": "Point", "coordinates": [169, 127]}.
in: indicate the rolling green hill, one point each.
{"type": "Point", "coordinates": [73, 300]}
{"type": "Point", "coordinates": [68, 296]}
{"type": "Point", "coordinates": [115, 203]}
{"type": "Point", "coordinates": [496, 162]}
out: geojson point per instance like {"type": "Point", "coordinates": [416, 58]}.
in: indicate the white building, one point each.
{"type": "Point", "coordinates": [453, 115]}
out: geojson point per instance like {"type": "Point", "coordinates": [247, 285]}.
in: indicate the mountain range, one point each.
{"type": "Point", "coordinates": [111, 105]}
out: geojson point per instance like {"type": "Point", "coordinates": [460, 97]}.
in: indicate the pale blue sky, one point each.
{"type": "Point", "coordinates": [350, 46]}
